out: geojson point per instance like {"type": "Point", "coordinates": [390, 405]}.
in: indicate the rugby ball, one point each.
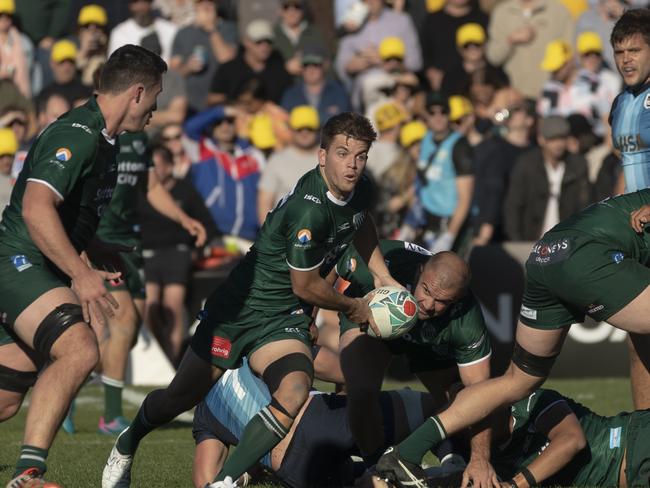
{"type": "Point", "coordinates": [395, 311]}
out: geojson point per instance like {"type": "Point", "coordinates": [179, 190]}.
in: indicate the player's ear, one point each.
{"type": "Point", "coordinates": [322, 153]}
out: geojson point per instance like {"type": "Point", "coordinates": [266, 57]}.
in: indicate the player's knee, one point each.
{"type": "Point", "coordinates": [297, 368]}
{"type": "Point", "coordinates": [9, 406]}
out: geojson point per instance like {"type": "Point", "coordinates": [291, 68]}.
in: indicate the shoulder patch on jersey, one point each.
{"type": "Point", "coordinates": [304, 236]}
{"type": "Point", "coordinates": [63, 154]}
{"type": "Point", "coordinates": [646, 102]}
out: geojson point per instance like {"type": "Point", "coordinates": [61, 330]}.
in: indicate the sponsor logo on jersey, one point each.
{"type": "Point", "coordinates": [615, 438]}
{"type": "Point", "coordinates": [618, 257]}
{"type": "Point", "coordinates": [627, 143]}
{"type": "Point", "coordinates": [312, 198]}
{"type": "Point", "coordinates": [646, 102]}
{"type": "Point", "coordinates": [221, 347]}
{"type": "Point", "coordinates": [139, 147]}
{"type": "Point", "coordinates": [409, 246]}
{"type": "Point", "coordinates": [593, 308]}
{"type": "Point", "coordinates": [21, 263]}
{"type": "Point", "coordinates": [3, 318]}
{"type": "Point", "coordinates": [475, 345]}
{"type": "Point", "coordinates": [550, 252]}
{"type": "Point", "coordinates": [529, 313]}
{"type": "Point", "coordinates": [304, 236]}
{"type": "Point", "coordinates": [85, 128]}
{"type": "Point", "coordinates": [63, 154]}
{"type": "Point", "coordinates": [352, 265]}
{"type": "Point", "coordinates": [343, 227]}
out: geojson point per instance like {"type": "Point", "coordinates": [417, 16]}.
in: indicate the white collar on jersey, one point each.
{"type": "Point", "coordinates": [338, 202]}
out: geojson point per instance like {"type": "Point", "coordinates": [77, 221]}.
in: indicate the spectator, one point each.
{"type": "Point", "coordinates": [494, 159]}
{"type": "Point", "coordinates": [470, 43]}
{"type": "Point", "coordinates": [143, 25]}
{"type": "Point", "coordinates": [43, 22]}
{"type": "Point", "coordinates": [548, 184]}
{"type": "Point", "coordinates": [17, 120]}
{"type": "Point", "coordinates": [8, 149]}
{"type": "Point", "coordinates": [66, 79]}
{"type": "Point", "coordinates": [558, 96]}
{"type": "Point", "coordinates": [15, 52]}
{"type": "Point", "coordinates": [438, 34]}
{"type": "Point", "coordinates": [249, 10]}
{"type": "Point", "coordinates": [397, 184]}
{"type": "Point", "coordinates": [446, 180]}
{"type": "Point", "coordinates": [293, 32]}
{"type": "Point", "coordinates": [92, 41]}
{"type": "Point", "coordinates": [228, 173]}
{"type": "Point", "coordinates": [257, 59]}
{"type": "Point", "coordinates": [167, 256]}
{"type": "Point", "coordinates": [200, 49]}
{"type": "Point", "coordinates": [518, 33]}
{"type": "Point", "coordinates": [598, 84]}
{"type": "Point", "coordinates": [388, 119]}
{"type": "Point", "coordinates": [314, 88]}
{"type": "Point", "coordinates": [600, 18]}
{"type": "Point", "coordinates": [359, 52]}
{"type": "Point", "coordinates": [463, 120]}
{"type": "Point", "coordinates": [183, 149]}
{"type": "Point", "coordinates": [181, 13]}
{"type": "Point", "coordinates": [285, 167]}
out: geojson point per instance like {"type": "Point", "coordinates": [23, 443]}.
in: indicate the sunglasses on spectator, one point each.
{"type": "Point", "coordinates": [18, 122]}
{"type": "Point", "coordinates": [472, 44]}
{"type": "Point", "coordinates": [92, 24]}
{"type": "Point", "coordinates": [438, 111]}
{"type": "Point", "coordinates": [6, 14]}
{"type": "Point", "coordinates": [305, 129]}
{"type": "Point", "coordinates": [288, 5]}
{"type": "Point", "coordinates": [264, 41]}
{"type": "Point", "coordinates": [393, 58]}
{"type": "Point", "coordinates": [173, 137]}
{"type": "Point", "coordinates": [591, 53]}
{"type": "Point", "coordinates": [229, 120]}
{"type": "Point", "coordinates": [304, 65]}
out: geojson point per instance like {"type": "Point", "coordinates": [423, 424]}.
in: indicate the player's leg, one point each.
{"type": "Point", "coordinates": [535, 352]}
{"type": "Point", "coordinates": [153, 317]}
{"type": "Point", "coordinates": [173, 303]}
{"type": "Point", "coordinates": [210, 452]}
{"type": "Point", "coordinates": [639, 349]}
{"type": "Point", "coordinates": [115, 354]}
{"type": "Point", "coordinates": [364, 360]}
{"type": "Point", "coordinates": [286, 368]}
{"type": "Point", "coordinates": [18, 373]}
{"type": "Point", "coordinates": [53, 325]}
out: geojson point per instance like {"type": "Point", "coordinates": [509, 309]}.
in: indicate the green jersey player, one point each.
{"type": "Point", "coordinates": [449, 339]}
{"type": "Point", "coordinates": [263, 309]}
{"type": "Point", "coordinates": [48, 294]}
{"type": "Point", "coordinates": [118, 236]}
{"type": "Point", "coordinates": [595, 263]}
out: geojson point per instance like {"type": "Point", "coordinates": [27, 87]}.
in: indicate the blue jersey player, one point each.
{"type": "Point", "coordinates": [630, 121]}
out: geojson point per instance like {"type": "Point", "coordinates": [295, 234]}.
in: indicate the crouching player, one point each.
{"type": "Point", "coordinates": [448, 341]}
{"type": "Point", "coordinates": [318, 448]}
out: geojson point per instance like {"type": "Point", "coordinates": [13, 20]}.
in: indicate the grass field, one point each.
{"type": "Point", "coordinates": [165, 457]}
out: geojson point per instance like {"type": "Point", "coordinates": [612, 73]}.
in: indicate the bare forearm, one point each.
{"type": "Point", "coordinates": [162, 201]}
{"type": "Point", "coordinates": [223, 51]}
{"type": "Point", "coordinates": [558, 454]}
{"type": "Point", "coordinates": [47, 232]}
{"type": "Point", "coordinates": [480, 444]}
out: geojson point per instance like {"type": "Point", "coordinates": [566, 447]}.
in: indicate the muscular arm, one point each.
{"type": "Point", "coordinates": [46, 229]}
{"type": "Point", "coordinates": [566, 437]}
{"type": "Point", "coordinates": [367, 244]}
{"type": "Point", "coordinates": [310, 287]}
{"type": "Point", "coordinates": [479, 470]}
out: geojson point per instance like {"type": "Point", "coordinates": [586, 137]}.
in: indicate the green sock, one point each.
{"type": "Point", "coordinates": [415, 446]}
{"type": "Point", "coordinates": [262, 434]}
{"type": "Point", "coordinates": [112, 398]}
{"type": "Point", "coordinates": [128, 441]}
{"type": "Point", "coordinates": [31, 457]}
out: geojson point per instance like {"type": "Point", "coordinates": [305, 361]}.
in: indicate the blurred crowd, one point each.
{"type": "Point", "coordinates": [492, 115]}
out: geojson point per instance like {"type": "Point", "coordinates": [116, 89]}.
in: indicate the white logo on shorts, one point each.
{"type": "Point", "coordinates": [529, 313]}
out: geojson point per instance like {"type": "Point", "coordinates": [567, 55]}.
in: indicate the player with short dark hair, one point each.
{"type": "Point", "coordinates": [630, 122]}
{"type": "Point", "coordinates": [263, 310]}
{"type": "Point", "coordinates": [594, 263]}
{"type": "Point", "coordinates": [48, 293]}
{"type": "Point", "coordinates": [448, 342]}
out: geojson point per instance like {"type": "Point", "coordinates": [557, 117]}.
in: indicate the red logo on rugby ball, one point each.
{"type": "Point", "coordinates": [409, 308]}
{"type": "Point", "coordinates": [221, 347]}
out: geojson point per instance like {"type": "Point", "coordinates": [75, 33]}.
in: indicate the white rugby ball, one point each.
{"type": "Point", "coordinates": [395, 311]}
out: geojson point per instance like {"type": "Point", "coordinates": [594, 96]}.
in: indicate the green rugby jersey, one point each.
{"type": "Point", "coordinates": [609, 221]}
{"type": "Point", "coordinates": [596, 465]}
{"type": "Point", "coordinates": [459, 334]}
{"type": "Point", "coordinates": [308, 229]}
{"type": "Point", "coordinates": [120, 222]}
{"type": "Point", "coordinates": [76, 159]}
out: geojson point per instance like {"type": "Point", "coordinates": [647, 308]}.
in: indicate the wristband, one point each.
{"type": "Point", "coordinates": [530, 479]}
{"type": "Point", "coordinates": [512, 483]}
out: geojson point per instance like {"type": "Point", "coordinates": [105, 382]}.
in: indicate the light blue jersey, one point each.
{"type": "Point", "coordinates": [236, 398]}
{"type": "Point", "coordinates": [630, 121]}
